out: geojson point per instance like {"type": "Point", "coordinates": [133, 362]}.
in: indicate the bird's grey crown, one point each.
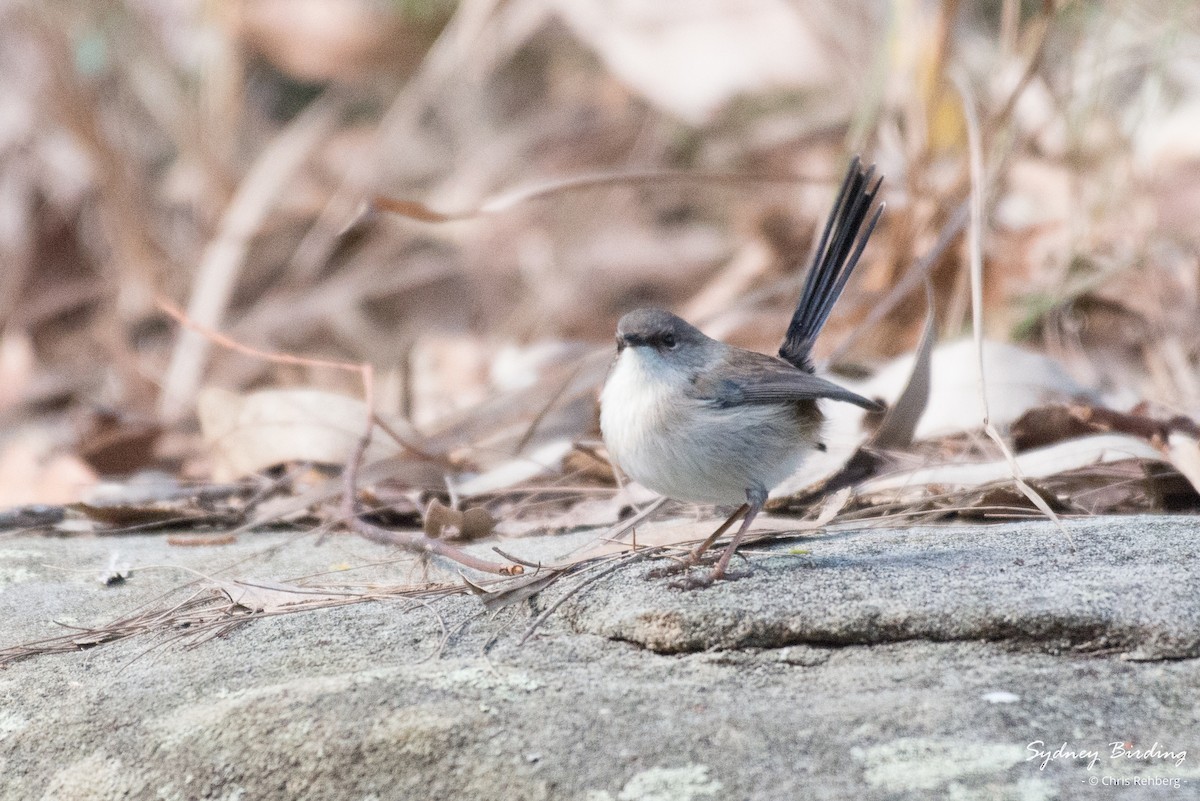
{"type": "Point", "coordinates": [657, 328]}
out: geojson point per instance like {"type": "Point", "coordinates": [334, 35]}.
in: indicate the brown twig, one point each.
{"type": "Point", "coordinates": [414, 541]}
{"type": "Point", "coordinates": [409, 445]}
{"type": "Point", "coordinates": [181, 317]}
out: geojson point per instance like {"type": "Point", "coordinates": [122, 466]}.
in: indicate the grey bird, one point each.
{"type": "Point", "coordinates": [698, 420]}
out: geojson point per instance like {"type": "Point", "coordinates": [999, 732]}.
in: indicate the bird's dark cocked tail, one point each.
{"type": "Point", "coordinates": [838, 252]}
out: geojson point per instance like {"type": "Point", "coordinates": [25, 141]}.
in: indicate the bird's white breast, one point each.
{"type": "Point", "coordinates": [689, 449]}
{"type": "Point", "coordinates": [635, 406]}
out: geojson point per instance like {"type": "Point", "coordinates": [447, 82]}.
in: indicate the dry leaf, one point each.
{"type": "Point", "coordinates": [1039, 463]}
{"type": "Point", "coordinates": [115, 445]}
{"type": "Point", "coordinates": [1184, 452]}
{"type": "Point", "coordinates": [17, 362]}
{"type": "Point", "coordinates": [249, 433]}
{"type": "Point", "coordinates": [321, 41]}
{"type": "Point", "coordinates": [692, 57]}
{"type": "Point", "coordinates": [442, 522]}
{"type": "Point", "coordinates": [1017, 380]}
{"type": "Point", "coordinates": [31, 473]}
{"type": "Point", "coordinates": [150, 515]}
{"type": "Point", "coordinates": [585, 464]}
{"type": "Point", "coordinates": [35, 516]}
{"type": "Point", "coordinates": [900, 422]}
{"type": "Point", "coordinates": [545, 459]}
{"type": "Point", "coordinates": [1050, 424]}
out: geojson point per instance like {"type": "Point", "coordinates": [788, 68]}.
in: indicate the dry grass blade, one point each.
{"type": "Point", "coordinates": [416, 210]}
{"type": "Point", "coordinates": [620, 562]}
{"type": "Point", "coordinates": [186, 615]}
{"type": "Point", "coordinates": [975, 248]}
{"type": "Point", "coordinates": [515, 593]}
{"type": "Point", "coordinates": [213, 610]}
{"type": "Point", "coordinates": [270, 596]}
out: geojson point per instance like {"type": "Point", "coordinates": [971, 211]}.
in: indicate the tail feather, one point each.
{"type": "Point", "coordinates": [836, 258]}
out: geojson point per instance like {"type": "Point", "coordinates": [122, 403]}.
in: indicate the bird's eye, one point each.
{"type": "Point", "coordinates": [669, 341]}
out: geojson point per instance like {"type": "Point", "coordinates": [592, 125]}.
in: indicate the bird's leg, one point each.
{"type": "Point", "coordinates": [704, 546]}
{"type": "Point", "coordinates": [755, 498]}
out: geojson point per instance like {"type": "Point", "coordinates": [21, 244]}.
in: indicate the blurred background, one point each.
{"type": "Point", "coordinates": [221, 155]}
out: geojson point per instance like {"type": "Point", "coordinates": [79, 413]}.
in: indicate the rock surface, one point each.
{"type": "Point", "coordinates": [879, 664]}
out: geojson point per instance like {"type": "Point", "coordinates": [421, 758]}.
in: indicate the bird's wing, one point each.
{"type": "Point", "coordinates": [754, 378]}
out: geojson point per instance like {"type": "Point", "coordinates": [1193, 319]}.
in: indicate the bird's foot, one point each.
{"type": "Point", "coordinates": [674, 568]}
{"type": "Point", "coordinates": [698, 580]}
{"type": "Point", "coordinates": [693, 581]}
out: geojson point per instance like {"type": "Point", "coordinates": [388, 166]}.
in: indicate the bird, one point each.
{"type": "Point", "coordinates": [702, 421]}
